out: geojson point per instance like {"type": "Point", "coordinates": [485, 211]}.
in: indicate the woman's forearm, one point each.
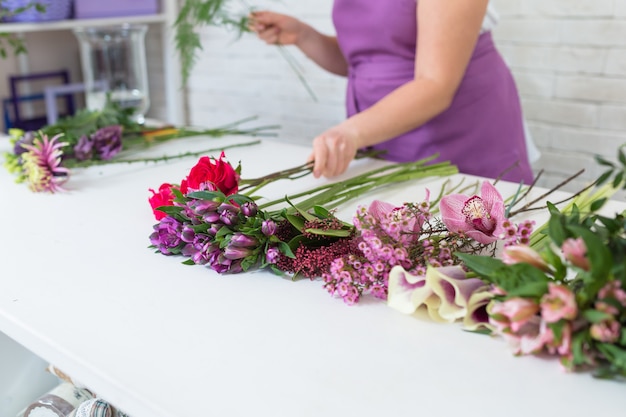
{"type": "Point", "coordinates": [405, 109]}
{"type": "Point", "coordinates": [323, 50]}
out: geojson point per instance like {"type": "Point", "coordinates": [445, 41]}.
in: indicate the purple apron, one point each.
{"type": "Point", "coordinates": [482, 132]}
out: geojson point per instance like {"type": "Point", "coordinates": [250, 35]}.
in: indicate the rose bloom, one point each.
{"type": "Point", "coordinates": [211, 174]}
{"type": "Point", "coordinates": [164, 197]}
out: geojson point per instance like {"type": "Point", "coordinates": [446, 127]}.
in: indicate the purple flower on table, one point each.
{"type": "Point", "coordinates": [104, 144]}
{"type": "Point", "coordinates": [107, 141]}
{"type": "Point", "coordinates": [242, 240]}
{"type": "Point", "coordinates": [83, 150]}
{"type": "Point", "coordinates": [478, 217]}
{"type": "Point", "coordinates": [167, 236]}
{"type": "Point", "coordinates": [268, 227]}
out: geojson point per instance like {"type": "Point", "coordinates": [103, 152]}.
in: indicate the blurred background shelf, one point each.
{"type": "Point", "coordinates": [72, 23]}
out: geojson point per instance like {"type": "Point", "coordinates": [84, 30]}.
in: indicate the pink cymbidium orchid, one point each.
{"type": "Point", "coordinates": [478, 217]}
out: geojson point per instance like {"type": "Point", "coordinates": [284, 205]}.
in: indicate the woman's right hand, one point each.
{"type": "Point", "coordinates": [276, 28]}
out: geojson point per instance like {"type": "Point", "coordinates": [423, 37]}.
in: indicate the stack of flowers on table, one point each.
{"type": "Point", "coordinates": [558, 290]}
{"type": "Point", "coordinates": [44, 159]}
{"type": "Point", "coordinates": [212, 217]}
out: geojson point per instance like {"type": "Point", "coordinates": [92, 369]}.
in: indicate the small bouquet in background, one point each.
{"type": "Point", "coordinates": [212, 217]}
{"type": "Point", "coordinates": [43, 159]}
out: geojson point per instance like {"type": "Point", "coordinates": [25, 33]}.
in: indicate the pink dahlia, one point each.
{"type": "Point", "coordinates": [41, 164]}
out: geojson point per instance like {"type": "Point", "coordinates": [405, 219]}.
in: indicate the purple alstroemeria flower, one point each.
{"type": "Point", "coordinates": [241, 240]}
{"type": "Point", "coordinates": [234, 252]}
{"type": "Point", "coordinates": [83, 150]}
{"type": "Point", "coordinates": [268, 227]}
{"type": "Point", "coordinates": [166, 235]}
{"type": "Point", "coordinates": [202, 207]}
{"type": "Point", "coordinates": [249, 209]}
{"type": "Point", "coordinates": [107, 142]}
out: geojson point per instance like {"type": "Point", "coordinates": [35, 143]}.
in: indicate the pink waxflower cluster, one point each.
{"type": "Point", "coordinates": [517, 234]}
{"type": "Point", "coordinates": [387, 236]}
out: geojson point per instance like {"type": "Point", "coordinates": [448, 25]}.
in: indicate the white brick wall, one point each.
{"type": "Point", "coordinates": [568, 57]}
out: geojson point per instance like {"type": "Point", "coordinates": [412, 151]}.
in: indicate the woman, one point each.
{"type": "Point", "coordinates": [423, 78]}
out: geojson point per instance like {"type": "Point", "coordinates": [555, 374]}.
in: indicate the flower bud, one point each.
{"type": "Point", "coordinates": [268, 227]}
{"type": "Point", "coordinates": [242, 240]}
{"type": "Point", "coordinates": [233, 252]}
{"type": "Point", "coordinates": [249, 209]}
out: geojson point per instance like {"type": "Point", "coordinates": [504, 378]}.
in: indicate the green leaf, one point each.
{"type": "Point", "coordinates": [331, 232]}
{"type": "Point", "coordinates": [529, 290]}
{"type": "Point", "coordinates": [296, 221]}
{"type": "Point", "coordinates": [600, 160]}
{"type": "Point", "coordinates": [188, 262]}
{"type": "Point", "coordinates": [604, 177]}
{"type": "Point", "coordinates": [595, 316]}
{"type": "Point", "coordinates": [206, 195]}
{"type": "Point", "coordinates": [597, 204]}
{"type": "Point", "coordinates": [619, 178]}
{"type": "Point", "coordinates": [170, 210]}
{"type": "Point", "coordinates": [614, 354]}
{"type": "Point", "coordinates": [285, 249]}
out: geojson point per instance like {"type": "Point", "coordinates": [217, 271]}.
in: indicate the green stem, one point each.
{"type": "Point", "coordinates": [158, 159]}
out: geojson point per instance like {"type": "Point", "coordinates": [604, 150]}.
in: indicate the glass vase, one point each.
{"type": "Point", "coordinates": [114, 66]}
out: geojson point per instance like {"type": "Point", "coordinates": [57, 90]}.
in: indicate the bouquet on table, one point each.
{"type": "Point", "coordinates": [43, 159]}
{"type": "Point", "coordinates": [559, 289]}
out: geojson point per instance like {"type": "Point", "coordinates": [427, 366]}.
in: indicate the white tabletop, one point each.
{"type": "Point", "coordinates": [80, 288]}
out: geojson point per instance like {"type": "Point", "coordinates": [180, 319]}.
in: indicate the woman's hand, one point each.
{"type": "Point", "coordinates": [276, 28]}
{"type": "Point", "coordinates": [333, 151]}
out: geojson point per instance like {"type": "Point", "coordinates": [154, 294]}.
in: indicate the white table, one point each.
{"type": "Point", "coordinates": [80, 288]}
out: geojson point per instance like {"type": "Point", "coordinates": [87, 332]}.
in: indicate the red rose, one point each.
{"type": "Point", "coordinates": [164, 197]}
{"type": "Point", "coordinates": [211, 174]}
